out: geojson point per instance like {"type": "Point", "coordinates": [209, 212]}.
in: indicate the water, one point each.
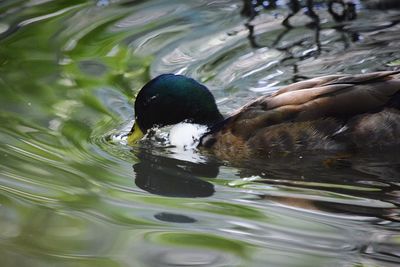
{"type": "Point", "coordinates": [73, 194]}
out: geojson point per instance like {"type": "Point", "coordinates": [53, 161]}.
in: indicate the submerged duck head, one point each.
{"type": "Point", "coordinates": [170, 99]}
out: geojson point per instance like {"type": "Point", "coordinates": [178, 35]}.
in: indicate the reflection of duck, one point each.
{"type": "Point", "coordinates": [166, 176]}
{"type": "Point", "coordinates": [336, 112]}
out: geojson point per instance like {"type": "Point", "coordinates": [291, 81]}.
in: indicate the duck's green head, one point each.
{"type": "Point", "coordinates": [170, 99]}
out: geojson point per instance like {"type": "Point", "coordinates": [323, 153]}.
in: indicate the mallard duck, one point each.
{"type": "Point", "coordinates": [335, 112]}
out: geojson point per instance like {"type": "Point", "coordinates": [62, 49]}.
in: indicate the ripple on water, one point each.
{"type": "Point", "coordinates": [74, 194]}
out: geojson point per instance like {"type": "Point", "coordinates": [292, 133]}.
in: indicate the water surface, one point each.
{"type": "Point", "coordinates": [73, 194]}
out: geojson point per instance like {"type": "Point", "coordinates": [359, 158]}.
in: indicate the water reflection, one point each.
{"type": "Point", "coordinates": [189, 257]}
{"type": "Point", "coordinates": [354, 185]}
{"type": "Point", "coordinates": [339, 10]}
{"type": "Point", "coordinates": [363, 185]}
{"type": "Point", "coordinates": [172, 217]}
{"type": "Point", "coordinates": [348, 12]}
{"type": "Point", "coordinates": [165, 176]}
{"type": "Point", "coordinates": [69, 196]}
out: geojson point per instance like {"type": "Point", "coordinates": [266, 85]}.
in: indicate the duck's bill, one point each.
{"type": "Point", "coordinates": [135, 135]}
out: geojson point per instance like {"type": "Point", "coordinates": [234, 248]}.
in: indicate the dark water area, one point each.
{"type": "Point", "coordinates": [72, 193]}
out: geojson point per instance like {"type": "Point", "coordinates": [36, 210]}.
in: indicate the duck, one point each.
{"type": "Point", "coordinates": [339, 112]}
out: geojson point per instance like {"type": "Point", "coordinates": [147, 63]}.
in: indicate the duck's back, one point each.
{"type": "Point", "coordinates": [336, 112]}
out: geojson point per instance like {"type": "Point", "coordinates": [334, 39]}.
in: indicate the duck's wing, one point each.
{"type": "Point", "coordinates": [321, 106]}
{"type": "Point", "coordinates": [339, 79]}
{"type": "Point", "coordinates": [338, 96]}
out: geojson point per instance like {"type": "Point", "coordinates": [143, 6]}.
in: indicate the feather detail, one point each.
{"type": "Point", "coordinates": [333, 112]}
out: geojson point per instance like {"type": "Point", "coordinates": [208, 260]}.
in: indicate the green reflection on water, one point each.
{"type": "Point", "coordinates": [203, 241]}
